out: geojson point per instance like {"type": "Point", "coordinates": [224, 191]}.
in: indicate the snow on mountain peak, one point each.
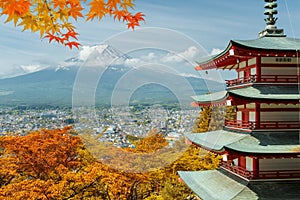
{"type": "Point", "coordinates": [104, 50]}
{"type": "Point", "coordinates": [86, 51]}
{"type": "Point", "coordinates": [97, 55]}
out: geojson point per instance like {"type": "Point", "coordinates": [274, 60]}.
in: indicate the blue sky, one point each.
{"type": "Point", "coordinates": [210, 23]}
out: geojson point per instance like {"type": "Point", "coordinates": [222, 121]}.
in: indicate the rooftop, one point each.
{"type": "Point", "coordinates": [218, 184]}
{"type": "Point", "coordinates": [256, 91]}
{"type": "Point", "coordinates": [261, 44]}
{"type": "Point", "coordinates": [270, 43]}
{"type": "Point", "coordinates": [268, 92]}
{"type": "Point", "coordinates": [263, 143]}
{"type": "Point", "coordinates": [215, 98]}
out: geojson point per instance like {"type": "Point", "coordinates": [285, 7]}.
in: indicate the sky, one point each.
{"type": "Point", "coordinates": [209, 24]}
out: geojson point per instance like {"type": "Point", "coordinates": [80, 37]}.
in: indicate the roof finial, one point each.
{"type": "Point", "coordinates": [270, 11]}
{"type": "Point", "coordinates": [271, 29]}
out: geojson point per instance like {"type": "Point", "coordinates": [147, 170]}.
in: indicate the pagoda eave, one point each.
{"type": "Point", "coordinates": [221, 140]}
{"type": "Point", "coordinates": [201, 104]}
{"type": "Point", "coordinates": [240, 50]}
{"type": "Point", "coordinates": [265, 94]}
{"type": "Point", "coordinates": [239, 100]}
{"type": "Point", "coordinates": [232, 153]}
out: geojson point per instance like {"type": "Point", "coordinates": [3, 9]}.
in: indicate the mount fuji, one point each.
{"type": "Point", "coordinates": [54, 85]}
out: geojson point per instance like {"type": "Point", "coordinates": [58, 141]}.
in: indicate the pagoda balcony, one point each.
{"type": "Point", "coordinates": [290, 79]}
{"type": "Point", "coordinates": [272, 174]}
{"type": "Point", "coordinates": [237, 170]}
{"type": "Point", "coordinates": [250, 125]}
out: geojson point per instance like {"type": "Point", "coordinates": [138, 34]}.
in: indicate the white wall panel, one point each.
{"type": "Point", "coordinates": [279, 116]}
{"type": "Point", "coordinates": [279, 164]}
{"type": "Point", "coordinates": [279, 71]}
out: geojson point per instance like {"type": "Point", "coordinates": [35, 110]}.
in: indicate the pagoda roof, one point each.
{"type": "Point", "coordinates": [243, 142]}
{"type": "Point", "coordinates": [219, 184]}
{"type": "Point", "coordinates": [212, 184]}
{"type": "Point", "coordinates": [274, 92]}
{"type": "Point", "coordinates": [270, 43]}
{"type": "Point", "coordinates": [256, 91]}
{"type": "Point", "coordinates": [214, 98]}
{"type": "Point", "coordinates": [245, 49]}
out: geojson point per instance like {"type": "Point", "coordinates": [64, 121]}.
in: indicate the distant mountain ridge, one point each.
{"type": "Point", "coordinates": [54, 85]}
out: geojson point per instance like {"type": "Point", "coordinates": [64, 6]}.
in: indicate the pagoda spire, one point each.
{"type": "Point", "coordinates": [271, 29]}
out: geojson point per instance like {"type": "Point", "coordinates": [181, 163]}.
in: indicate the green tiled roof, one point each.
{"type": "Point", "coordinates": [263, 43]}
{"type": "Point", "coordinates": [254, 92]}
{"type": "Point", "coordinates": [222, 185]}
{"type": "Point", "coordinates": [243, 142]}
{"type": "Point", "coordinates": [215, 140]}
{"type": "Point", "coordinates": [216, 96]}
{"type": "Point", "coordinates": [214, 185]}
{"type": "Point", "coordinates": [271, 43]}
{"type": "Point", "coordinates": [268, 92]}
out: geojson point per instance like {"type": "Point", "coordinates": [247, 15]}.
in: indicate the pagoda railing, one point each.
{"type": "Point", "coordinates": [243, 80]}
{"type": "Point", "coordinates": [274, 174]}
{"type": "Point", "coordinates": [250, 125]}
{"type": "Point", "coordinates": [264, 79]}
{"type": "Point", "coordinates": [240, 124]}
{"type": "Point", "coordinates": [237, 169]}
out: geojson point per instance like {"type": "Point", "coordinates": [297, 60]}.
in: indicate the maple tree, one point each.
{"type": "Point", "coordinates": [54, 19]}
{"type": "Point", "coordinates": [56, 164]}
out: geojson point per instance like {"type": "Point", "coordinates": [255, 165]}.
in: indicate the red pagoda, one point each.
{"type": "Point", "coordinates": [261, 147]}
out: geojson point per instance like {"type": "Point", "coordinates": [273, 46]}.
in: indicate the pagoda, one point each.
{"type": "Point", "coordinates": [261, 147]}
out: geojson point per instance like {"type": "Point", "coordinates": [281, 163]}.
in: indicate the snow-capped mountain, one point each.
{"type": "Point", "coordinates": [98, 56]}
{"type": "Point", "coordinates": [54, 85]}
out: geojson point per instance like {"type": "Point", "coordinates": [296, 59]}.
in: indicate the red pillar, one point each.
{"type": "Point", "coordinates": [255, 162]}
{"type": "Point", "coordinates": [257, 115]}
{"type": "Point", "coordinates": [242, 162]}
{"type": "Point", "coordinates": [258, 68]}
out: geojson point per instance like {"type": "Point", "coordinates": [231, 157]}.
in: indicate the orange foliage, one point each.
{"type": "Point", "coordinates": [53, 164]}
{"type": "Point", "coordinates": [152, 143]}
{"type": "Point", "coordinates": [38, 165]}
{"type": "Point", "coordinates": [52, 18]}
{"type": "Point", "coordinates": [41, 152]}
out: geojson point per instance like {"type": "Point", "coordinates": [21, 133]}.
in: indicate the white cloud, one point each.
{"type": "Point", "coordinates": [215, 51]}
{"type": "Point", "coordinates": [133, 62]}
{"type": "Point", "coordinates": [191, 55]}
{"type": "Point", "coordinates": [149, 56]}
{"type": "Point", "coordinates": [32, 68]}
{"type": "Point", "coordinates": [107, 55]}
{"type": "Point", "coordinates": [86, 51]}
{"type": "Point", "coordinates": [190, 75]}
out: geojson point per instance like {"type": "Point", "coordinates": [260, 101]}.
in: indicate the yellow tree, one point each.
{"type": "Point", "coordinates": [152, 143]}
{"type": "Point", "coordinates": [167, 179]}
{"type": "Point", "coordinates": [163, 181]}
{"type": "Point", "coordinates": [54, 19]}
{"type": "Point", "coordinates": [202, 123]}
{"type": "Point", "coordinates": [212, 118]}
{"type": "Point", "coordinates": [48, 164]}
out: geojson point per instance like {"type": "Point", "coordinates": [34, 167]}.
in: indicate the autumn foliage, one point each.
{"type": "Point", "coordinates": [54, 19]}
{"type": "Point", "coordinates": [212, 118]}
{"type": "Point", "coordinates": [55, 164]}
{"type": "Point", "coordinates": [152, 143]}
